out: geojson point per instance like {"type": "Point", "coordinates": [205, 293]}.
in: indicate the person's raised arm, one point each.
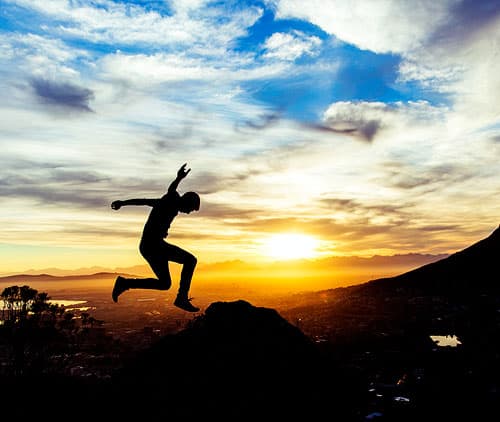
{"type": "Point", "coordinates": [181, 174]}
{"type": "Point", "coordinates": [116, 205]}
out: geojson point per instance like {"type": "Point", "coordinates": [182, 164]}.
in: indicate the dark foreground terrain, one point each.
{"type": "Point", "coordinates": [365, 352]}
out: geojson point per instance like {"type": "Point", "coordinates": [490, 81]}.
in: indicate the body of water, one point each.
{"type": "Point", "coordinates": [443, 341]}
{"type": "Point", "coordinates": [66, 303]}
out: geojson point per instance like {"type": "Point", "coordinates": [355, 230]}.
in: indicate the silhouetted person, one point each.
{"type": "Point", "coordinates": [156, 251]}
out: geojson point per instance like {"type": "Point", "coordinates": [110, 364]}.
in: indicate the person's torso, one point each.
{"type": "Point", "coordinates": [161, 216]}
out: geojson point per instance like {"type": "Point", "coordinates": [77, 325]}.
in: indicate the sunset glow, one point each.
{"type": "Point", "coordinates": [290, 246]}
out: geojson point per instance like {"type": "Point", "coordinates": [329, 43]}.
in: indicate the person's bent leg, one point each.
{"type": "Point", "coordinates": [157, 258]}
{"type": "Point", "coordinates": [188, 262]}
{"type": "Point", "coordinates": [187, 274]}
{"type": "Point", "coordinates": [159, 265]}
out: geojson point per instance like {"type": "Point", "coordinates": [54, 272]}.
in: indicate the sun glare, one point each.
{"type": "Point", "coordinates": [290, 246]}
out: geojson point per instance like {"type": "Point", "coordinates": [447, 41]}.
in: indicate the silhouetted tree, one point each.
{"type": "Point", "coordinates": [36, 329]}
{"type": "Point", "coordinates": [23, 303]}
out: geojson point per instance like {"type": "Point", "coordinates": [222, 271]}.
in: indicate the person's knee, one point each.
{"type": "Point", "coordinates": [165, 283]}
{"type": "Point", "coordinates": [194, 260]}
{"type": "Point", "coordinates": [191, 261]}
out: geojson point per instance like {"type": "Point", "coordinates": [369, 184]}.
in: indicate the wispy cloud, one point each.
{"type": "Point", "coordinates": [290, 46]}
{"type": "Point", "coordinates": [425, 178]}
{"type": "Point", "coordinates": [369, 118]}
{"type": "Point", "coordinates": [57, 187]}
{"type": "Point", "coordinates": [62, 95]}
{"type": "Point", "coordinates": [184, 24]}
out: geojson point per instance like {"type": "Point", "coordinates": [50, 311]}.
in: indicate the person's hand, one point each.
{"type": "Point", "coordinates": [116, 205]}
{"type": "Point", "coordinates": [182, 172]}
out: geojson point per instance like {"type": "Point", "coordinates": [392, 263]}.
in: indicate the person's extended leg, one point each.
{"type": "Point", "coordinates": [188, 262]}
{"type": "Point", "coordinates": [122, 284]}
{"type": "Point", "coordinates": [158, 261]}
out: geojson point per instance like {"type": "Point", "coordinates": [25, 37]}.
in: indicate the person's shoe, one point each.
{"type": "Point", "coordinates": [118, 288]}
{"type": "Point", "coordinates": [185, 304]}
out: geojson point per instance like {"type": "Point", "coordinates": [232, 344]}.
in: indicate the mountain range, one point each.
{"type": "Point", "coordinates": [293, 275]}
{"type": "Point", "coordinates": [398, 261]}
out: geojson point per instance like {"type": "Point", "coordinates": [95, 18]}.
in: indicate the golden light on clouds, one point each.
{"type": "Point", "coordinates": [285, 246]}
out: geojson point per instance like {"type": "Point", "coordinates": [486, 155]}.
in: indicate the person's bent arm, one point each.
{"type": "Point", "coordinates": [181, 174]}
{"type": "Point", "coordinates": [116, 205]}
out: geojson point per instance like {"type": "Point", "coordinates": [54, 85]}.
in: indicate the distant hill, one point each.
{"type": "Point", "coordinates": [29, 278]}
{"type": "Point", "coordinates": [375, 264]}
{"type": "Point", "coordinates": [474, 269]}
{"type": "Point", "coordinates": [60, 272]}
{"type": "Point", "coordinates": [457, 294]}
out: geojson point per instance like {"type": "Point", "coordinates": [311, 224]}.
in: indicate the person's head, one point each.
{"type": "Point", "coordinates": [190, 201]}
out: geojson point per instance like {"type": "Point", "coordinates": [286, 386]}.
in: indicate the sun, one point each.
{"type": "Point", "coordinates": [290, 246]}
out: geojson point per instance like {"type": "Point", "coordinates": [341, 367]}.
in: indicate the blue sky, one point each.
{"type": "Point", "coordinates": [371, 126]}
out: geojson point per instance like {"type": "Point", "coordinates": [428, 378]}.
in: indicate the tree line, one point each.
{"type": "Point", "coordinates": [33, 330]}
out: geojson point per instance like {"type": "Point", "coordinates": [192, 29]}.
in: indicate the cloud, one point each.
{"type": "Point", "coordinates": [367, 119]}
{"type": "Point", "coordinates": [444, 46]}
{"type": "Point", "coordinates": [328, 129]}
{"type": "Point", "coordinates": [380, 26]}
{"type": "Point", "coordinates": [151, 70]}
{"type": "Point", "coordinates": [379, 211]}
{"type": "Point", "coordinates": [61, 94]}
{"type": "Point", "coordinates": [54, 195]}
{"type": "Point", "coordinates": [290, 46]}
{"type": "Point", "coordinates": [117, 23]}
{"type": "Point", "coordinates": [82, 230]}
{"type": "Point", "coordinates": [229, 214]}
{"type": "Point", "coordinates": [263, 121]}
{"type": "Point", "coordinates": [465, 19]}
{"type": "Point", "coordinates": [52, 183]}
{"type": "Point", "coordinates": [426, 178]}
{"type": "Point", "coordinates": [64, 198]}
{"type": "Point", "coordinates": [37, 56]}
{"type": "Point", "coordinates": [464, 67]}
{"type": "Point", "coordinates": [196, 43]}
{"type": "Point", "coordinates": [209, 182]}
{"type": "Point", "coordinates": [144, 69]}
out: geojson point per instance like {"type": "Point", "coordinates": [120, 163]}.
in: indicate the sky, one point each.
{"type": "Point", "coordinates": [354, 127]}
